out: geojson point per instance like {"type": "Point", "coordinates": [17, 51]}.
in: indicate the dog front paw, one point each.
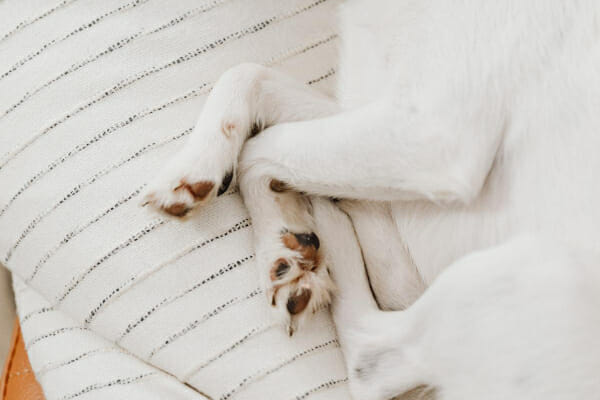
{"type": "Point", "coordinates": [190, 180]}
{"type": "Point", "coordinates": [179, 200]}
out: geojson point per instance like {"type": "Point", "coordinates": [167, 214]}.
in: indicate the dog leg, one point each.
{"type": "Point", "coordinates": [246, 99]}
{"type": "Point", "coordinates": [377, 152]}
{"type": "Point", "coordinates": [393, 275]}
{"type": "Point", "coordinates": [371, 340]}
{"type": "Point", "coordinates": [528, 306]}
{"type": "Point", "coordinates": [362, 154]}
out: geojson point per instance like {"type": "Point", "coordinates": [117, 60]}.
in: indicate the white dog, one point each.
{"type": "Point", "coordinates": [458, 125]}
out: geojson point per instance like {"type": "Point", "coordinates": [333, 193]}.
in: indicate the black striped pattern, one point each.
{"type": "Point", "coordinates": [100, 282]}
{"type": "Point", "coordinates": [333, 343]}
{"type": "Point", "coordinates": [81, 28]}
{"type": "Point", "coordinates": [25, 23]}
{"type": "Point", "coordinates": [196, 323]}
{"type": "Point", "coordinates": [115, 382]}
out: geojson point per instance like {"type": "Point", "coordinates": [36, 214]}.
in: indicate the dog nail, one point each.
{"type": "Point", "coordinates": [308, 239]}
{"type": "Point", "coordinates": [273, 294]}
{"type": "Point", "coordinates": [226, 182]}
{"type": "Point", "coordinates": [298, 302]}
{"type": "Point", "coordinates": [256, 129]}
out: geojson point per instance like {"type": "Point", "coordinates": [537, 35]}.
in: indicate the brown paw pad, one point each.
{"type": "Point", "coordinates": [281, 268]}
{"type": "Point", "coordinates": [298, 301]}
{"type": "Point", "coordinates": [307, 244]}
{"type": "Point", "coordinates": [198, 190]}
{"type": "Point", "coordinates": [177, 209]}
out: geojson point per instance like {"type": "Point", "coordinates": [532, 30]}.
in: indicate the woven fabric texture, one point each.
{"type": "Point", "coordinates": [114, 301]}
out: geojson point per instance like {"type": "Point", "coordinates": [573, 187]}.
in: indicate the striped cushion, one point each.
{"type": "Point", "coordinates": [114, 301]}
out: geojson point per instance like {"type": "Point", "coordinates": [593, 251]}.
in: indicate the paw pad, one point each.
{"type": "Point", "coordinates": [177, 209]}
{"type": "Point", "coordinates": [198, 190]}
{"type": "Point", "coordinates": [280, 269]}
{"type": "Point", "coordinates": [307, 244]}
{"type": "Point", "coordinates": [298, 301]}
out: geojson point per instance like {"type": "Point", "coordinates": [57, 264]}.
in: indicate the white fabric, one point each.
{"type": "Point", "coordinates": [116, 302]}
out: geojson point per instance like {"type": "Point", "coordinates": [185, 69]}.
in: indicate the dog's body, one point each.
{"type": "Point", "coordinates": [513, 83]}
{"type": "Point", "coordinates": [458, 125]}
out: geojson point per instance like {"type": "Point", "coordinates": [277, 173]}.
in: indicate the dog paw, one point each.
{"type": "Point", "coordinates": [299, 282]}
{"type": "Point", "coordinates": [189, 182]}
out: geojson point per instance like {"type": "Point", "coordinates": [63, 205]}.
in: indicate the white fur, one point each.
{"type": "Point", "coordinates": [458, 126]}
{"type": "Point", "coordinates": [518, 321]}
